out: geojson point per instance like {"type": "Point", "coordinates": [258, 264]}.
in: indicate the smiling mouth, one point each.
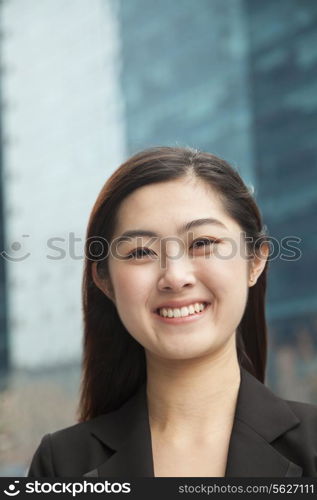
{"type": "Point", "coordinates": [188, 314]}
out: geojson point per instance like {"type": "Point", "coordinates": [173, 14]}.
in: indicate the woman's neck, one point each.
{"type": "Point", "coordinates": [192, 399]}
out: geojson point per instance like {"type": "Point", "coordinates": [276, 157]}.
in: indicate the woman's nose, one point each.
{"type": "Point", "coordinates": [176, 273]}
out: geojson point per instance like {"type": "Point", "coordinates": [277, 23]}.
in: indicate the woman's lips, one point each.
{"type": "Point", "coordinates": [185, 319]}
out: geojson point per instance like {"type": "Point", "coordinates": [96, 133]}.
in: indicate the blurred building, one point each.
{"type": "Point", "coordinates": [185, 77]}
{"type": "Point", "coordinates": [283, 78]}
{"type": "Point", "coordinates": [63, 134]}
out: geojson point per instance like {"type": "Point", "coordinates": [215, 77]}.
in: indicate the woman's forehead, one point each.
{"type": "Point", "coordinates": [171, 205]}
{"type": "Point", "coordinates": [164, 196]}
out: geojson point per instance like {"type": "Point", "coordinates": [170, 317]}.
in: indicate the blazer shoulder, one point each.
{"type": "Point", "coordinates": [73, 432]}
{"type": "Point", "coordinates": [70, 451]}
{"type": "Point", "coordinates": [304, 411]}
{"type": "Point", "coordinates": [300, 442]}
{"type": "Point", "coordinates": [307, 415]}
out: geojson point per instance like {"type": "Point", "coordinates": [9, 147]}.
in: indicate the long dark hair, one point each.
{"type": "Point", "coordinates": [113, 361]}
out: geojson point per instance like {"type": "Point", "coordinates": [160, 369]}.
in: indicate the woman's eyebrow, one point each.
{"type": "Point", "coordinates": [132, 233]}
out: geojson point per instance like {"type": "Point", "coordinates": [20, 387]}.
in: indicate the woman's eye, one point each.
{"type": "Point", "coordinates": [205, 242]}
{"type": "Point", "coordinates": [139, 252]}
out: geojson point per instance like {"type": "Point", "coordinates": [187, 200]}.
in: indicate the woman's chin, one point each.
{"type": "Point", "coordinates": [183, 352]}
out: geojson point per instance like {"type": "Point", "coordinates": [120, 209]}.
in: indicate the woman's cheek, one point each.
{"type": "Point", "coordinates": [132, 285]}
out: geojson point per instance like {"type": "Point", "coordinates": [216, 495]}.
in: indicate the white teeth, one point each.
{"type": "Point", "coordinates": [184, 311]}
{"type": "Point", "coordinates": [191, 309]}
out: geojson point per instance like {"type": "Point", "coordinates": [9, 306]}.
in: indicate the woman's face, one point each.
{"type": "Point", "coordinates": [178, 268]}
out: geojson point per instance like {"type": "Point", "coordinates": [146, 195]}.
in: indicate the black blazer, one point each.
{"type": "Point", "coordinates": [271, 437]}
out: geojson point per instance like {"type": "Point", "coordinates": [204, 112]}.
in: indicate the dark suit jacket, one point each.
{"type": "Point", "coordinates": [271, 437]}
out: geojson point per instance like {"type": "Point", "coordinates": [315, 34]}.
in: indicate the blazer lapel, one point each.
{"type": "Point", "coordinates": [260, 418]}
{"type": "Point", "coordinates": [127, 432]}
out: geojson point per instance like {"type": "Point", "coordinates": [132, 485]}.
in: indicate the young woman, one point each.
{"type": "Point", "coordinates": [175, 335]}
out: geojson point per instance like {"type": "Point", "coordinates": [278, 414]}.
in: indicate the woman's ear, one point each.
{"type": "Point", "coordinates": [258, 263]}
{"type": "Point", "coordinates": [101, 281]}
